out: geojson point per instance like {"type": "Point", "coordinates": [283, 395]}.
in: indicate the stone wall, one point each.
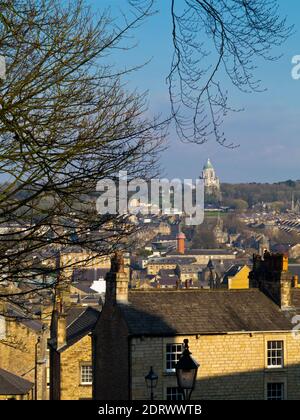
{"type": "Point", "coordinates": [70, 363]}
{"type": "Point", "coordinates": [111, 358]}
{"type": "Point", "coordinates": [232, 366]}
{"type": "Point", "coordinates": [17, 355]}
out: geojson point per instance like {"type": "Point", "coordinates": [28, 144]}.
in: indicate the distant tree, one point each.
{"type": "Point", "coordinates": [255, 193]}
{"type": "Point", "coordinates": [204, 237]}
{"type": "Point", "coordinates": [282, 237]}
{"type": "Point", "coordinates": [236, 204]}
{"type": "Point", "coordinates": [233, 223]}
{"type": "Point", "coordinates": [277, 206]}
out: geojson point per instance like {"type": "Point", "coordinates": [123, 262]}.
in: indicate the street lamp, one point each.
{"type": "Point", "coordinates": [151, 382]}
{"type": "Point", "coordinates": [186, 371]}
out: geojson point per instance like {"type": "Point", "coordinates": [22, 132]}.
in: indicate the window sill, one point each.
{"type": "Point", "coordinates": [275, 369]}
{"type": "Point", "coordinates": [169, 373]}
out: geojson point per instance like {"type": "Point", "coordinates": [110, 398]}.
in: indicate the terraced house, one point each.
{"type": "Point", "coordinates": [70, 347]}
{"type": "Point", "coordinates": [243, 339]}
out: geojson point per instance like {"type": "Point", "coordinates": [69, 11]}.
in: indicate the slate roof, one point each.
{"type": "Point", "coordinates": [295, 269]}
{"type": "Point", "coordinates": [82, 326]}
{"type": "Point", "coordinates": [168, 280]}
{"type": "Point", "coordinates": [88, 274]}
{"type": "Point", "coordinates": [164, 238]}
{"type": "Point", "coordinates": [85, 288]}
{"type": "Point", "coordinates": [74, 313]}
{"type": "Point", "coordinates": [166, 272]}
{"type": "Point", "coordinates": [201, 312]}
{"type": "Point", "coordinates": [173, 260]}
{"type": "Point", "coordinates": [204, 252]}
{"type": "Point", "coordinates": [22, 318]}
{"type": "Point", "coordinates": [11, 384]}
{"type": "Point", "coordinates": [296, 298]}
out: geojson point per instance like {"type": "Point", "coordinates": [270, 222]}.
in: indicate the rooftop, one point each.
{"type": "Point", "coordinates": [11, 384]}
{"type": "Point", "coordinates": [208, 165]}
{"type": "Point", "coordinates": [80, 322]}
{"type": "Point", "coordinates": [202, 312]}
{"type": "Point", "coordinates": [172, 260]}
{"type": "Point", "coordinates": [208, 252]}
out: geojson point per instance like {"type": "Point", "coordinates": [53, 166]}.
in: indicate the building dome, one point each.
{"type": "Point", "coordinates": [208, 165]}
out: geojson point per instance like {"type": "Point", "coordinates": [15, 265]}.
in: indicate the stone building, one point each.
{"type": "Point", "coordinates": [23, 344]}
{"type": "Point", "coordinates": [13, 387]}
{"type": "Point", "coordinates": [203, 256]}
{"type": "Point", "coordinates": [211, 181]}
{"type": "Point", "coordinates": [236, 277]}
{"type": "Point", "coordinates": [220, 235]}
{"type": "Point", "coordinates": [70, 347]}
{"type": "Point", "coordinates": [243, 339]}
{"type": "Point", "coordinates": [169, 263]}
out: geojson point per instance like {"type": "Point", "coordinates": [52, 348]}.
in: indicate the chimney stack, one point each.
{"type": "Point", "coordinates": [59, 315]}
{"type": "Point", "coordinates": [272, 277]}
{"type": "Point", "coordinates": [61, 330]}
{"type": "Point", "coordinates": [181, 242]}
{"type": "Point", "coordinates": [296, 281]}
{"type": "Point", "coordinates": [117, 281]}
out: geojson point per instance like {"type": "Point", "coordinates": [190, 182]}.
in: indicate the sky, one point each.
{"type": "Point", "coordinates": [267, 131]}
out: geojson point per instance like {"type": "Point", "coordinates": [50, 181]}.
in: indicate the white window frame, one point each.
{"type": "Point", "coordinates": [84, 366]}
{"type": "Point", "coordinates": [177, 353]}
{"type": "Point", "coordinates": [272, 346]}
{"type": "Point", "coordinates": [282, 384]}
{"type": "Point", "coordinates": [173, 391]}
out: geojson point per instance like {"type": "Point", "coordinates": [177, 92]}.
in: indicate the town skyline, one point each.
{"type": "Point", "coordinates": [150, 247]}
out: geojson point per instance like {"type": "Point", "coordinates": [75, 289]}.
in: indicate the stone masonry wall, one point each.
{"type": "Point", "coordinates": [71, 360]}
{"type": "Point", "coordinates": [231, 366]}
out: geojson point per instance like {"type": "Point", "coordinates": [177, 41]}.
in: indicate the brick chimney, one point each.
{"type": "Point", "coordinates": [296, 281]}
{"type": "Point", "coordinates": [181, 242]}
{"type": "Point", "coordinates": [58, 329]}
{"type": "Point", "coordinates": [117, 281]}
{"type": "Point", "coordinates": [59, 316]}
{"type": "Point", "coordinates": [272, 277]}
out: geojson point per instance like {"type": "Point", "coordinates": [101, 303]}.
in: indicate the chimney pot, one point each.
{"type": "Point", "coordinates": [117, 281]}
{"type": "Point", "coordinates": [181, 243]}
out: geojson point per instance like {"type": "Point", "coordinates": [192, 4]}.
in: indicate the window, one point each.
{"type": "Point", "coordinates": [174, 394]}
{"type": "Point", "coordinates": [275, 354]}
{"type": "Point", "coordinates": [173, 353]}
{"type": "Point", "coordinates": [86, 375]}
{"type": "Point", "coordinates": [275, 391]}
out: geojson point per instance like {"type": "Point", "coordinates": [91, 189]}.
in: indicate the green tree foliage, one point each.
{"type": "Point", "coordinates": [254, 193]}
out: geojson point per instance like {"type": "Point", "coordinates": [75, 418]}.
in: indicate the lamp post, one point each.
{"type": "Point", "coordinates": [186, 371]}
{"type": "Point", "coordinates": [151, 382]}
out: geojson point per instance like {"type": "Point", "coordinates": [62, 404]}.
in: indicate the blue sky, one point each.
{"type": "Point", "coordinates": [268, 131]}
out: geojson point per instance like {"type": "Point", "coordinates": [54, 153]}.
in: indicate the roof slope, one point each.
{"type": "Point", "coordinates": [80, 322]}
{"type": "Point", "coordinates": [202, 311]}
{"type": "Point", "coordinates": [204, 252]}
{"type": "Point", "coordinates": [11, 384]}
{"type": "Point", "coordinates": [83, 325]}
{"type": "Point", "coordinates": [296, 298]}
